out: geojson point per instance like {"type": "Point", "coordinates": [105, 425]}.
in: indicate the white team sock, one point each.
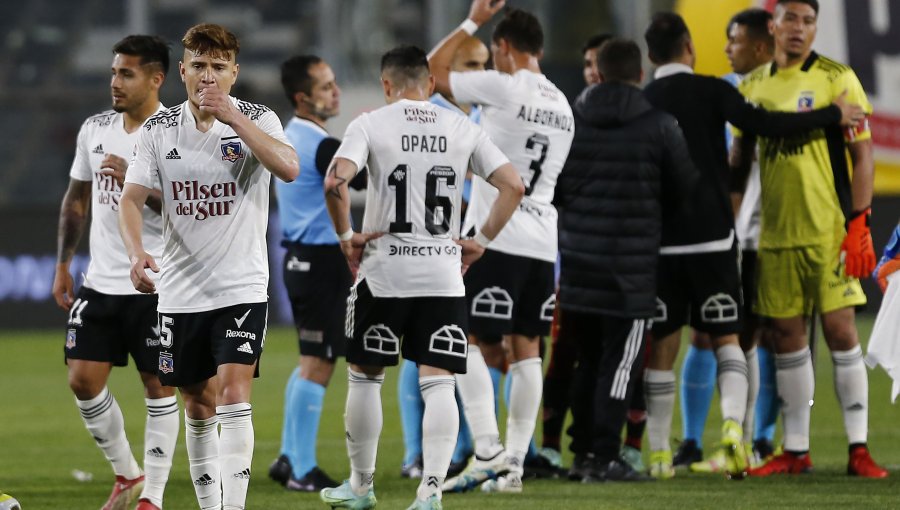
{"type": "Point", "coordinates": [659, 391]}
{"type": "Point", "coordinates": [796, 386]}
{"type": "Point", "coordinates": [524, 403]}
{"type": "Point", "coordinates": [732, 376]}
{"type": "Point", "coordinates": [851, 383]}
{"type": "Point", "coordinates": [752, 393]}
{"type": "Point", "coordinates": [103, 419]}
{"type": "Point", "coordinates": [362, 422]}
{"type": "Point", "coordinates": [478, 404]}
{"type": "Point", "coordinates": [235, 453]}
{"type": "Point", "coordinates": [440, 426]}
{"type": "Point", "coordinates": [202, 441]}
{"type": "Point", "coordinates": [160, 435]}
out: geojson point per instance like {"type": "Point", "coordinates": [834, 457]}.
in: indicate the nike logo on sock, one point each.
{"type": "Point", "coordinates": [240, 322]}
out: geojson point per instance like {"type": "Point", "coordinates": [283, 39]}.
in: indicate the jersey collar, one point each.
{"type": "Point", "coordinates": [807, 64]}
{"type": "Point", "coordinates": [671, 69]}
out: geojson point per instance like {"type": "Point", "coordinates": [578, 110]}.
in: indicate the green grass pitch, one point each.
{"type": "Point", "coordinates": [42, 440]}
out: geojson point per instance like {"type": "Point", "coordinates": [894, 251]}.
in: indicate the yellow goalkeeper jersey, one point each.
{"type": "Point", "coordinates": [805, 178]}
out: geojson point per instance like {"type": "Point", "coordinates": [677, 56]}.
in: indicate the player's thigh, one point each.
{"type": "Point", "coordinates": [493, 284]}
{"type": "Point", "coordinates": [374, 327]}
{"type": "Point", "coordinates": [93, 328]}
{"type": "Point", "coordinates": [672, 298]}
{"type": "Point", "coordinates": [139, 328]}
{"type": "Point", "coordinates": [715, 287]}
{"type": "Point", "coordinates": [833, 289]}
{"type": "Point", "coordinates": [318, 298]}
{"type": "Point", "coordinates": [781, 283]}
{"type": "Point", "coordinates": [437, 332]}
{"type": "Point", "coordinates": [533, 313]}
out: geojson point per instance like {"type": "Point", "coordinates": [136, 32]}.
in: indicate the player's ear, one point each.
{"type": "Point", "coordinates": [237, 68]}
{"type": "Point", "coordinates": [386, 85]}
{"type": "Point", "coordinates": [430, 85]}
{"type": "Point", "coordinates": [181, 70]}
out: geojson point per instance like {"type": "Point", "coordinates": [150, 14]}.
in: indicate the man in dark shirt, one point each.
{"type": "Point", "coordinates": [699, 277]}
{"type": "Point", "coordinates": [628, 162]}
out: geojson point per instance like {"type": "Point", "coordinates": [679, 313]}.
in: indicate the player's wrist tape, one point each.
{"type": "Point", "coordinates": [482, 239]}
{"type": "Point", "coordinates": [867, 213]}
{"type": "Point", "coordinates": [346, 236]}
{"type": "Point", "coordinates": [468, 26]}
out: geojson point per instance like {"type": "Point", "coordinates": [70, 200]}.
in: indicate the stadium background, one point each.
{"type": "Point", "coordinates": [55, 63]}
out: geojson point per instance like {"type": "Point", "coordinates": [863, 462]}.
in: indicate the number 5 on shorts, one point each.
{"type": "Point", "coordinates": [165, 333]}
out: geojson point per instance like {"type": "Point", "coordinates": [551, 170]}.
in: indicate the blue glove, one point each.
{"type": "Point", "coordinates": [889, 259]}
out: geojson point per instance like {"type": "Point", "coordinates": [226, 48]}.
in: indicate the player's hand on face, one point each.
{"type": "Point", "coordinates": [483, 10]}
{"type": "Point", "coordinates": [139, 265]}
{"type": "Point", "coordinates": [114, 166]}
{"type": "Point", "coordinates": [217, 103]}
{"type": "Point", "coordinates": [471, 252]}
{"type": "Point", "coordinates": [851, 114]}
{"type": "Point", "coordinates": [63, 288]}
{"type": "Point", "coordinates": [353, 249]}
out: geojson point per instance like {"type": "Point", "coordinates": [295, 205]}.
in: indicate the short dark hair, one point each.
{"type": "Point", "coordinates": [212, 40]}
{"type": "Point", "coordinates": [619, 60]}
{"type": "Point", "coordinates": [666, 36]}
{"type": "Point", "coordinates": [406, 62]}
{"type": "Point", "coordinates": [521, 30]}
{"type": "Point", "coordinates": [151, 48]}
{"type": "Point", "coordinates": [812, 3]}
{"type": "Point", "coordinates": [295, 76]}
{"type": "Point", "coordinates": [755, 20]}
{"type": "Point", "coordinates": [595, 42]}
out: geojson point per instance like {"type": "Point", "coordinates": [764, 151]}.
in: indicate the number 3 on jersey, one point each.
{"type": "Point", "coordinates": [438, 207]}
{"type": "Point", "coordinates": [534, 141]}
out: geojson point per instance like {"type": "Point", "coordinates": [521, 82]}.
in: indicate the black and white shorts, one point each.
{"type": "Point", "coordinates": [193, 345]}
{"type": "Point", "coordinates": [508, 294]}
{"type": "Point", "coordinates": [107, 328]}
{"type": "Point", "coordinates": [702, 290]}
{"type": "Point", "coordinates": [318, 282]}
{"type": "Point", "coordinates": [427, 330]}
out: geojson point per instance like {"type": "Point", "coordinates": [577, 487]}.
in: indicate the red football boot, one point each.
{"type": "Point", "coordinates": [861, 464]}
{"type": "Point", "coordinates": [123, 493]}
{"type": "Point", "coordinates": [787, 463]}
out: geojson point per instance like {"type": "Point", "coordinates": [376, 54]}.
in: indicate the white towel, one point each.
{"type": "Point", "coordinates": [884, 347]}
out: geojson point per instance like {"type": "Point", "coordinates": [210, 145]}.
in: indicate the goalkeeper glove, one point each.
{"type": "Point", "coordinates": [857, 250]}
{"type": "Point", "coordinates": [890, 260]}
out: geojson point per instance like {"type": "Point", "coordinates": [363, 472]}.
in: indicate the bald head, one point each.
{"type": "Point", "coordinates": [471, 55]}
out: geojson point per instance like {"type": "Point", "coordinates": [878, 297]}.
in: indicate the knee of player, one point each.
{"type": "Point", "coordinates": [841, 336]}
{"type": "Point", "coordinates": [84, 386]}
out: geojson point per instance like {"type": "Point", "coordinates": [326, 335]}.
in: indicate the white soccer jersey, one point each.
{"type": "Point", "coordinates": [110, 270]}
{"type": "Point", "coordinates": [531, 121]}
{"type": "Point", "coordinates": [749, 217]}
{"type": "Point", "coordinates": [417, 155]}
{"type": "Point", "coordinates": [215, 208]}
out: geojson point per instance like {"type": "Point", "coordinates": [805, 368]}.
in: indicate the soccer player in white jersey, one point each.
{"type": "Point", "coordinates": [510, 293]}
{"type": "Point", "coordinates": [212, 156]}
{"type": "Point", "coordinates": [108, 319]}
{"type": "Point", "coordinates": [408, 264]}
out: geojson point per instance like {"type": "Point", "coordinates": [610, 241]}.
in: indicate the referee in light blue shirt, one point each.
{"type": "Point", "coordinates": [315, 272]}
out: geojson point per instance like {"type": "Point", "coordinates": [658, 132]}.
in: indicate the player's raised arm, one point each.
{"type": "Point", "coordinates": [441, 56]}
{"type": "Point", "coordinates": [131, 206]}
{"type": "Point", "coordinates": [72, 219]}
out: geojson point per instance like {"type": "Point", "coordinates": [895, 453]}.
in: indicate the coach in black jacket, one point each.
{"type": "Point", "coordinates": [628, 165]}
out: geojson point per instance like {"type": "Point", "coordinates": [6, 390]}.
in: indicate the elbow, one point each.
{"type": "Point", "coordinates": [518, 190]}
{"type": "Point", "coordinates": [291, 170]}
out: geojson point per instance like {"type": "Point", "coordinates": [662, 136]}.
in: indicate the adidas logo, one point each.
{"type": "Point", "coordinates": [98, 149]}
{"type": "Point", "coordinates": [245, 347]}
{"type": "Point", "coordinates": [173, 154]}
{"type": "Point", "coordinates": [849, 292]}
{"type": "Point", "coordinates": [243, 475]}
{"type": "Point", "coordinates": [156, 452]}
{"type": "Point", "coordinates": [204, 480]}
